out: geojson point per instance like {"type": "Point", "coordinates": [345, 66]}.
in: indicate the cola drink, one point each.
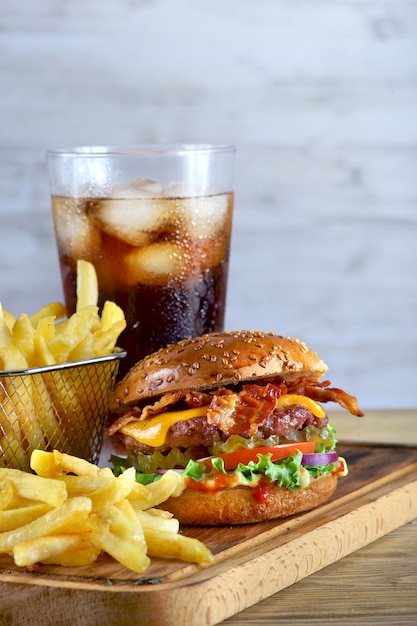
{"type": "Point", "coordinates": [162, 256]}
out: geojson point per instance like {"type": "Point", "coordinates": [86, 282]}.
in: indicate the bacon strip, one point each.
{"type": "Point", "coordinates": [323, 393]}
{"type": "Point", "coordinates": [132, 416]}
{"type": "Point", "coordinates": [239, 412]}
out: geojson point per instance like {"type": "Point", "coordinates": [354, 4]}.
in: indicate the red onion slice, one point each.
{"type": "Point", "coordinates": [320, 458]}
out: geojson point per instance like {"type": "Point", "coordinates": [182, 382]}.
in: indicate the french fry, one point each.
{"type": "Point", "coordinates": [101, 489]}
{"type": "Point", "coordinates": [83, 350]}
{"type": "Point", "coordinates": [158, 523]}
{"type": "Point", "coordinates": [69, 463]}
{"type": "Point", "coordinates": [141, 495]}
{"type": "Point", "coordinates": [22, 336]}
{"type": "Point", "coordinates": [122, 525]}
{"type": "Point", "coordinates": [105, 341]}
{"type": "Point", "coordinates": [121, 537]}
{"type": "Point", "coordinates": [110, 315]}
{"type": "Point", "coordinates": [170, 484]}
{"type": "Point", "coordinates": [61, 518]}
{"type": "Point", "coordinates": [74, 338]}
{"type": "Point", "coordinates": [105, 473]}
{"type": "Point", "coordinates": [5, 331]}
{"type": "Point", "coordinates": [126, 508]}
{"type": "Point", "coordinates": [54, 309]}
{"type": "Point", "coordinates": [24, 413]}
{"type": "Point", "coordinates": [116, 489]}
{"type": "Point", "coordinates": [81, 323]}
{"type": "Point", "coordinates": [11, 447]}
{"type": "Point", "coordinates": [87, 285]}
{"type": "Point", "coordinates": [42, 355]}
{"type": "Point", "coordinates": [8, 318]}
{"type": "Point", "coordinates": [12, 359]}
{"type": "Point", "coordinates": [46, 327]}
{"type": "Point", "coordinates": [46, 548]}
{"type": "Point", "coordinates": [6, 494]}
{"type": "Point", "coordinates": [11, 435]}
{"type": "Point", "coordinates": [173, 545]}
{"type": "Point", "coordinates": [46, 413]}
{"type": "Point", "coordinates": [74, 405]}
{"type": "Point", "coordinates": [44, 464]}
{"type": "Point", "coordinates": [15, 518]}
{"type": "Point", "coordinates": [61, 346]}
{"type": "Point", "coordinates": [35, 487]}
{"type": "Point", "coordinates": [74, 557]}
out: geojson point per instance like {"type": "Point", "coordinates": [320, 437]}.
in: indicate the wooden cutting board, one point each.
{"type": "Point", "coordinates": [252, 562]}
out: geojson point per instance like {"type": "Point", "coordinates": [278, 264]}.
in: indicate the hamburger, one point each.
{"type": "Point", "coordinates": [240, 415]}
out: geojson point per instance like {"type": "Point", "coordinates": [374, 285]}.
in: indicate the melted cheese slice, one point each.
{"type": "Point", "coordinates": [313, 406]}
{"type": "Point", "coordinates": [153, 431]}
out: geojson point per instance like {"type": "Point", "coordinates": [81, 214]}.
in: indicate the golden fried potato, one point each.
{"type": "Point", "coordinates": [71, 510]}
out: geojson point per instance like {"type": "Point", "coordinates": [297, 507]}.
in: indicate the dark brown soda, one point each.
{"type": "Point", "coordinates": [161, 309]}
{"type": "Point", "coordinates": [168, 313]}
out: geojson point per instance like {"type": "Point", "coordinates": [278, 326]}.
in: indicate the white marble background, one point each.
{"type": "Point", "coordinates": [320, 98]}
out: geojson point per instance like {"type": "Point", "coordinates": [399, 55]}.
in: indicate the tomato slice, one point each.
{"type": "Point", "coordinates": [232, 459]}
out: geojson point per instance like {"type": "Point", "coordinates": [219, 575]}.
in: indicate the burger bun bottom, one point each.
{"type": "Point", "coordinates": [238, 505]}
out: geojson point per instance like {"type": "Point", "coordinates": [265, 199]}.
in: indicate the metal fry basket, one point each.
{"type": "Point", "coordinates": [62, 407]}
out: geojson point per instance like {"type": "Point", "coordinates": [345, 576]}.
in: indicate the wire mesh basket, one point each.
{"type": "Point", "coordinates": [62, 407]}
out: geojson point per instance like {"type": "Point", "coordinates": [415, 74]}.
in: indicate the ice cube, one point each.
{"type": "Point", "coordinates": [204, 217]}
{"type": "Point", "coordinates": [139, 188]}
{"type": "Point", "coordinates": [155, 264]}
{"type": "Point", "coordinates": [76, 235]}
{"type": "Point", "coordinates": [210, 252]}
{"type": "Point", "coordinates": [134, 221]}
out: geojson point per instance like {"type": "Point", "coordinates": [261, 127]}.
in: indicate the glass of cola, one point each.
{"type": "Point", "coordinates": [156, 222]}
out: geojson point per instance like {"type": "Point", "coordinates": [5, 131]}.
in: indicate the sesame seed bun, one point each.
{"type": "Point", "coordinates": [222, 358]}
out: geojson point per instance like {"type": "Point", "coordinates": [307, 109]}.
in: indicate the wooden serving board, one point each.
{"type": "Point", "coordinates": [252, 562]}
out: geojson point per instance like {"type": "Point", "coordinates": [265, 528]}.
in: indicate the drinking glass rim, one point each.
{"type": "Point", "coordinates": [89, 151]}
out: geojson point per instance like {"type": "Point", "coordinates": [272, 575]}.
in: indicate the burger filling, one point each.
{"type": "Point", "coordinates": [181, 427]}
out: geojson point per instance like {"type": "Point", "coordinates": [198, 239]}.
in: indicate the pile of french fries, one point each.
{"type": "Point", "coordinates": [48, 337]}
{"type": "Point", "coordinates": [44, 410]}
{"type": "Point", "coordinates": [69, 511]}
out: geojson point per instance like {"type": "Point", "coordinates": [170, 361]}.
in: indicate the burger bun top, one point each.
{"type": "Point", "coordinates": [214, 359]}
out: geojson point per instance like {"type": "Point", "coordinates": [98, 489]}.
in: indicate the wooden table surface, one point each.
{"type": "Point", "coordinates": [375, 585]}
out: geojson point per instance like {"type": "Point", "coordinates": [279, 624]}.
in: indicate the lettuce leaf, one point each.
{"type": "Point", "coordinates": [319, 470]}
{"type": "Point", "coordinates": [285, 472]}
